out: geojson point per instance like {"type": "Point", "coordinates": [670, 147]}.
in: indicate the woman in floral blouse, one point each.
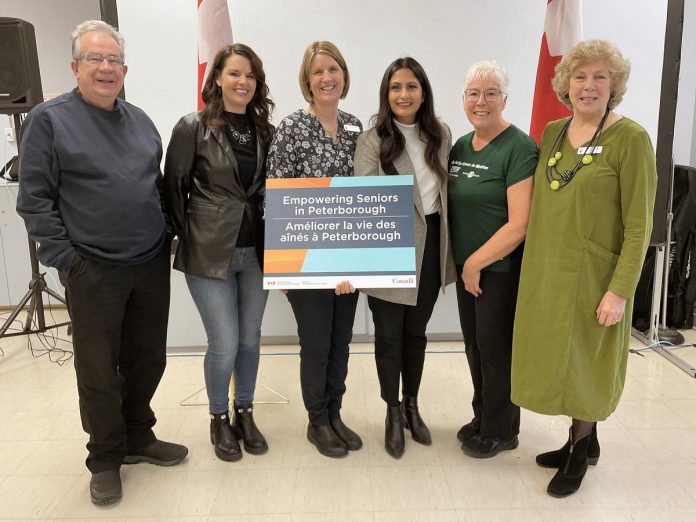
{"type": "Point", "coordinates": [319, 141]}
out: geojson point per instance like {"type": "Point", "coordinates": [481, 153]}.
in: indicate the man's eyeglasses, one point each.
{"type": "Point", "coordinates": [490, 95]}
{"type": "Point", "coordinates": [97, 59]}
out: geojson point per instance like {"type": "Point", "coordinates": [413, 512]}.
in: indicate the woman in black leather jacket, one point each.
{"type": "Point", "coordinates": [215, 173]}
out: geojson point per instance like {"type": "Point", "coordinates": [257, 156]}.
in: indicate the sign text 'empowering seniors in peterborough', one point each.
{"type": "Point", "coordinates": [320, 231]}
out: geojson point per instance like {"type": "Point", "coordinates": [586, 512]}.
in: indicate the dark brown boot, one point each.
{"type": "Point", "coordinates": [245, 429]}
{"type": "Point", "coordinates": [223, 439]}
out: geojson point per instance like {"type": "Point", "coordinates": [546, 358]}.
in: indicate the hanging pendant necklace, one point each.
{"type": "Point", "coordinates": [240, 137]}
{"type": "Point", "coordinates": [559, 179]}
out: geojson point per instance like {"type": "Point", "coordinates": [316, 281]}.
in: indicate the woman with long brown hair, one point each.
{"type": "Point", "coordinates": [215, 174]}
{"type": "Point", "coordinates": [407, 138]}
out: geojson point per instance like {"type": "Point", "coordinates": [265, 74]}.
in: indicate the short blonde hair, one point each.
{"type": "Point", "coordinates": [329, 49]}
{"type": "Point", "coordinates": [590, 51]}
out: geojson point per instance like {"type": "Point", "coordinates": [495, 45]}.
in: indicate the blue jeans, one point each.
{"type": "Point", "coordinates": [231, 310]}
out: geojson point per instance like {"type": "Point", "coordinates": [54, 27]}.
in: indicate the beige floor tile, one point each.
{"type": "Point", "coordinates": [332, 490]}
{"type": "Point", "coordinates": [251, 491]}
{"type": "Point", "coordinates": [411, 488]}
{"type": "Point", "coordinates": [479, 484]}
{"type": "Point", "coordinates": [685, 409]}
{"type": "Point", "coordinates": [416, 516]}
{"type": "Point", "coordinates": [265, 517]}
{"type": "Point", "coordinates": [53, 399]}
{"type": "Point", "coordinates": [652, 414]}
{"type": "Point", "coordinates": [532, 515]}
{"type": "Point", "coordinates": [14, 453]}
{"type": "Point", "coordinates": [169, 519]}
{"type": "Point", "coordinates": [171, 493]}
{"type": "Point", "coordinates": [645, 471]}
{"type": "Point", "coordinates": [333, 517]}
{"type": "Point", "coordinates": [27, 425]}
{"type": "Point", "coordinates": [33, 496]}
{"type": "Point", "coordinates": [13, 399]}
{"type": "Point", "coordinates": [55, 457]}
{"type": "Point", "coordinates": [76, 502]}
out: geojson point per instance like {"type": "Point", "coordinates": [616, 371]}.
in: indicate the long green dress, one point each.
{"type": "Point", "coordinates": [588, 237]}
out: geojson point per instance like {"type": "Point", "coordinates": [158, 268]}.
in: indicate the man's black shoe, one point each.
{"type": "Point", "coordinates": [105, 487]}
{"type": "Point", "coordinates": [160, 453]}
{"type": "Point", "coordinates": [469, 430]}
{"type": "Point", "coordinates": [484, 447]}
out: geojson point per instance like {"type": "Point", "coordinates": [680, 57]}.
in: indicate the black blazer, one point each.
{"type": "Point", "coordinates": [206, 200]}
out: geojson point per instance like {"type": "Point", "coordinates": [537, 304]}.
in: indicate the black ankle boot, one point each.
{"type": "Point", "coordinates": [413, 421]}
{"type": "Point", "coordinates": [569, 476]}
{"type": "Point", "coordinates": [327, 442]}
{"type": "Point", "coordinates": [223, 439]}
{"type": "Point", "coordinates": [352, 440]}
{"type": "Point", "coordinates": [394, 432]}
{"type": "Point", "coordinates": [245, 429]}
{"type": "Point", "coordinates": [554, 459]}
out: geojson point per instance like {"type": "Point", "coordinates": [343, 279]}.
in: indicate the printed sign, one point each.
{"type": "Point", "coordinates": [321, 231]}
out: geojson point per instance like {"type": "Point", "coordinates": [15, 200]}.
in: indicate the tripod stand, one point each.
{"type": "Point", "coordinates": [37, 286]}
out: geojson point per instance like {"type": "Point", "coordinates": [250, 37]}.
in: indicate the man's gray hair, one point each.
{"type": "Point", "coordinates": [95, 25]}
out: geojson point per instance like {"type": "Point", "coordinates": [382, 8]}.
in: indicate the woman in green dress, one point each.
{"type": "Point", "coordinates": [589, 228]}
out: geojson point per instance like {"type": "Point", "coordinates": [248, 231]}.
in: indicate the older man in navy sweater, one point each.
{"type": "Point", "coordinates": [89, 196]}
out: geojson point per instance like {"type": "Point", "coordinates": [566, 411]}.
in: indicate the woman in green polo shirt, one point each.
{"type": "Point", "coordinates": [490, 192]}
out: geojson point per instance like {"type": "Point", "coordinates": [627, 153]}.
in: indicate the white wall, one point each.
{"type": "Point", "coordinates": [53, 22]}
{"type": "Point", "coordinates": [445, 36]}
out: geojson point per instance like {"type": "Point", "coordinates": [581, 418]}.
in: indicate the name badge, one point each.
{"type": "Point", "coordinates": [590, 150]}
{"type": "Point", "coordinates": [351, 128]}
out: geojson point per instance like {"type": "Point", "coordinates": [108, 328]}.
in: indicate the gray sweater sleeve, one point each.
{"type": "Point", "coordinates": [37, 201]}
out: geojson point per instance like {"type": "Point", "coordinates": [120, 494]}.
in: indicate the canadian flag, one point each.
{"type": "Point", "coordinates": [562, 30]}
{"type": "Point", "coordinates": [214, 33]}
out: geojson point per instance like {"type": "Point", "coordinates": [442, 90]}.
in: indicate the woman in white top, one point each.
{"type": "Point", "coordinates": [407, 138]}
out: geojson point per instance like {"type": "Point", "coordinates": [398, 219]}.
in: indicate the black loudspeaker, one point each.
{"type": "Point", "coordinates": [20, 79]}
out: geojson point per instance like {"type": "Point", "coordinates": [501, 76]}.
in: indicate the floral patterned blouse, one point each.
{"type": "Point", "coordinates": [302, 149]}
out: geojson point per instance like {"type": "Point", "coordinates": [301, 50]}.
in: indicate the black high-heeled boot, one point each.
{"type": "Point", "coordinates": [222, 438]}
{"type": "Point", "coordinates": [413, 421]}
{"type": "Point", "coordinates": [394, 441]}
{"type": "Point", "coordinates": [554, 459]}
{"type": "Point", "coordinates": [245, 429]}
{"type": "Point", "coordinates": [569, 476]}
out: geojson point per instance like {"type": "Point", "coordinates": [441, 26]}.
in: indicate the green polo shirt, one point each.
{"type": "Point", "coordinates": [478, 183]}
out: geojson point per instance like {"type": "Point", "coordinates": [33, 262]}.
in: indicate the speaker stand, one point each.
{"type": "Point", "coordinates": [36, 319]}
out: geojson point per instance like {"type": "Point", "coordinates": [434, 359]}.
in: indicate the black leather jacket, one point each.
{"type": "Point", "coordinates": [206, 200]}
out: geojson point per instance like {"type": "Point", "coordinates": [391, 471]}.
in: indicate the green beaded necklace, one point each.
{"type": "Point", "coordinates": [557, 180]}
